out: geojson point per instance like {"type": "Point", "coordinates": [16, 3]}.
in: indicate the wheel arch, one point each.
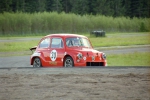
{"type": "Point", "coordinates": [66, 57]}
{"type": "Point", "coordinates": [34, 58]}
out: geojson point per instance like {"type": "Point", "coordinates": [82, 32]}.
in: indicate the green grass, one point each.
{"type": "Point", "coordinates": [120, 41]}
{"type": "Point", "coordinates": [17, 46]}
{"type": "Point", "coordinates": [109, 40]}
{"type": "Point", "coordinates": [130, 59]}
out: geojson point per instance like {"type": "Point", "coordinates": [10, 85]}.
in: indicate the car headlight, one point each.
{"type": "Point", "coordinates": [79, 55]}
{"type": "Point", "coordinates": [103, 56]}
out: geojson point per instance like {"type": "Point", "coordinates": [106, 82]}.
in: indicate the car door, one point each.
{"type": "Point", "coordinates": [57, 51]}
{"type": "Point", "coordinates": [44, 49]}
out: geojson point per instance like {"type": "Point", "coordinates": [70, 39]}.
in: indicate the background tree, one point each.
{"type": "Point", "coordinates": [56, 5]}
{"type": "Point", "coordinates": [127, 7]}
{"type": "Point", "coordinates": [115, 8]}
{"type": "Point", "coordinates": [79, 6]}
{"type": "Point", "coordinates": [66, 4]}
{"type": "Point", "coordinates": [102, 7]}
{"type": "Point", "coordinates": [18, 5]}
{"type": "Point", "coordinates": [41, 5]}
{"type": "Point", "coordinates": [118, 8]}
{"type": "Point", "coordinates": [5, 5]}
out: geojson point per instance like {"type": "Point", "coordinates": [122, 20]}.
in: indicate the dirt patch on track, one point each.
{"type": "Point", "coordinates": [75, 86]}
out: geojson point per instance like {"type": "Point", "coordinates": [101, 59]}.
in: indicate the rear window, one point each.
{"type": "Point", "coordinates": [45, 43]}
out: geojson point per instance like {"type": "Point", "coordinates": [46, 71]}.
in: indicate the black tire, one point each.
{"type": "Point", "coordinates": [68, 62]}
{"type": "Point", "coordinates": [37, 62]}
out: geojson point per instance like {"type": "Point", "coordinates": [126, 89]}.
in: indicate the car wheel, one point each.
{"type": "Point", "coordinates": [37, 62]}
{"type": "Point", "coordinates": [68, 62]}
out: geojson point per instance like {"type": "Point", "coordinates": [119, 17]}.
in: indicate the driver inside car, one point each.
{"type": "Point", "coordinates": [76, 43]}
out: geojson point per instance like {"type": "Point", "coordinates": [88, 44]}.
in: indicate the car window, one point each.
{"type": "Point", "coordinates": [77, 41]}
{"type": "Point", "coordinates": [45, 43]}
{"type": "Point", "coordinates": [57, 43]}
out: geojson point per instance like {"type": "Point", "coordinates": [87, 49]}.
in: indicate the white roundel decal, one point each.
{"type": "Point", "coordinates": [53, 55]}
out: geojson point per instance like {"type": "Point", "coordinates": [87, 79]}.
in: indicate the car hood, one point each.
{"type": "Point", "coordinates": [87, 51]}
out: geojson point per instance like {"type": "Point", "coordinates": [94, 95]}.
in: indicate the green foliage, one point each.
{"type": "Point", "coordinates": [53, 22]}
{"type": "Point", "coordinates": [11, 23]}
{"type": "Point", "coordinates": [142, 27]}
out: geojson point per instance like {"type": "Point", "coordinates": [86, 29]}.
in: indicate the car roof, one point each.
{"type": "Point", "coordinates": [65, 35]}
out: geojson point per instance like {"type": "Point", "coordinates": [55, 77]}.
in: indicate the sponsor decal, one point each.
{"type": "Point", "coordinates": [36, 54]}
{"type": "Point", "coordinates": [53, 63]}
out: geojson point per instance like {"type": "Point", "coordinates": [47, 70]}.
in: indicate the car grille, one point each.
{"type": "Point", "coordinates": [94, 63]}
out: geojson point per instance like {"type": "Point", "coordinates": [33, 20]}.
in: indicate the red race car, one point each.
{"type": "Point", "coordinates": [66, 50]}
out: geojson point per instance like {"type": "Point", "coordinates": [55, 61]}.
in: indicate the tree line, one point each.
{"type": "Point", "coordinates": [114, 8]}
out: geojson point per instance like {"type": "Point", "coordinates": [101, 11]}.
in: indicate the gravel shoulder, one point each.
{"type": "Point", "coordinates": [75, 84]}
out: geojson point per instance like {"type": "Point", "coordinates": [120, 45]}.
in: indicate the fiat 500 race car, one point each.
{"type": "Point", "coordinates": [66, 50]}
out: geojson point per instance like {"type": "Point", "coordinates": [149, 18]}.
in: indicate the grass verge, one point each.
{"type": "Point", "coordinates": [17, 46]}
{"type": "Point", "coordinates": [110, 40]}
{"type": "Point", "coordinates": [120, 41]}
{"type": "Point", "coordinates": [130, 59]}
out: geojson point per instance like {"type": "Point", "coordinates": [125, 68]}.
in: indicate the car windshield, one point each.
{"type": "Point", "coordinates": [77, 41]}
